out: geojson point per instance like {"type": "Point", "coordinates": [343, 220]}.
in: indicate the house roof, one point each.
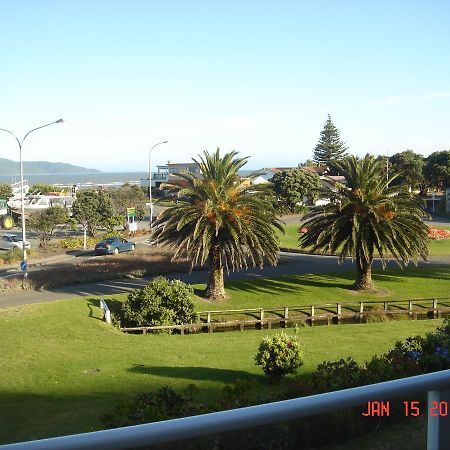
{"type": "Point", "coordinates": [320, 170]}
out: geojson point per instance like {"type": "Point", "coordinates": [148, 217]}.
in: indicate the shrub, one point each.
{"type": "Point", "coordinates": [161, 302]}
{"type": "Point", "coordinates": [279, 355]}
{"type": "Point", "coordinates": [12, 256]}
{"type": "Point", "coordinates": [162, 404]}
{"type": "Point", "coordinates": [73, 243]}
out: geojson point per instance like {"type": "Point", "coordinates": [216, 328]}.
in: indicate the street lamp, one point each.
{"type": "Point", "coordinates": [22, 202]}
{"type": "Point", "coordinates": [150, 182]}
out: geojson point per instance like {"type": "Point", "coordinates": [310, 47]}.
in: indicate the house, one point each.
{"type": "Point", "coordinates": [168, 173]}
{"type": "Point", "coordinates": [265, 175]}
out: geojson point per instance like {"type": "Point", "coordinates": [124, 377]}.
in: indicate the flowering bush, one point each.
{"type": "Point", "coordinates": [438, 235]}
{"type": "Point", "coordinates": [279, 355]}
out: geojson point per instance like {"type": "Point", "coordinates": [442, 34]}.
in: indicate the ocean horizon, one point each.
{"type": "Point", "coordinates": [83, 179]}
{"type": "Point", "coordinates": [69, 179]}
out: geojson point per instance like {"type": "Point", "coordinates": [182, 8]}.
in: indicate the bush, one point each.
{"type": "Point", "coordinates": [12, 256]}
{"type": "Point", "coordinates": [279, 355]}
{"type": "Point", "coordinates": [162, 404]}
{"type": "Point", "coordinates": [161, 302]}
{"type": "Point", "coordinates": [74, 243]}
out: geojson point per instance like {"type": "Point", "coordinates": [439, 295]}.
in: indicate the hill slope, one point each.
{"type": "Point", "coordinates": [10, 167]}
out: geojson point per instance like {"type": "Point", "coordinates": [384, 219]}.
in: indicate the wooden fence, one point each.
{"type": "Point", "coordinates": [327, 313]}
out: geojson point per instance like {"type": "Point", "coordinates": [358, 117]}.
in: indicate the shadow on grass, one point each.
{"type": "Point", "coordinates": [194, 373]}
{"type": "Point", "coordinates": [293, 284]}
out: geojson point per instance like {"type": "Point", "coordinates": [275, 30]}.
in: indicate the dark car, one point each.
{"type": "Point", "coordinates": [114, 245]}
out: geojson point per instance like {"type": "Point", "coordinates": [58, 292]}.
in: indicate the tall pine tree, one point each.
{"type": "Point", "coordinates": [330, 148]}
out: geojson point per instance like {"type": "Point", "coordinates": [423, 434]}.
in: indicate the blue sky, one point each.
{"type": "Point", "coordinates": [258, 77]}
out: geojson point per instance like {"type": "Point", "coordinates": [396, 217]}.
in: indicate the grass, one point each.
{"type": "Point", "coordinates": [392, 284]}
{"type": "Point", "coordinates": [62, 367]}
{"type": "Point", "coordinates": [289, 240]}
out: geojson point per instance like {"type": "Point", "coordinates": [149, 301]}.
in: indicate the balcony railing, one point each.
{"type": "Point", "coordinates": [437, 385]}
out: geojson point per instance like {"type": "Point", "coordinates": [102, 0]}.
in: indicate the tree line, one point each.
{"type": "Point", "coordinates": [92, 209]}
{"type": "Point", "coordinates": [406, 168]}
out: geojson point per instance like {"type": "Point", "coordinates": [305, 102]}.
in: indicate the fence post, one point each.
{"type": "Point", "coordinates": [438, 433]}
{"type": "Point", "coordinates": [106, 311]}
{"type": "Point", "coordinates": [208, 317]}
{"type": "Point", "coordinates": [434, 308]}
{"type": "Point", "coordinates": [286, 317]}
{"type": "Point", "coordinates": [338, 311]}
{"type": "Point", "coordinates": [385, 306]}
{"type": "Point", "coordinates": [312, 315]}
{"type": "Point", "coordinates": [361, 311]}
{"type": "Point", "coordinates": [410, 306]}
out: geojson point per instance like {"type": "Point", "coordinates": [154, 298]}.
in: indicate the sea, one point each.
{"type": "Point", "coordinates": [88, 179]}
{"type": "Point", "coordinates": [81, 179]}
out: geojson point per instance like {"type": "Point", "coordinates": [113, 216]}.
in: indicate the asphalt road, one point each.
{"type": "Point", "coordinates": [289, 264]}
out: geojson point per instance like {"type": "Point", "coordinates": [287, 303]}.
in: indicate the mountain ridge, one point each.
{"type": "Point", "coordinates": [10, 167]}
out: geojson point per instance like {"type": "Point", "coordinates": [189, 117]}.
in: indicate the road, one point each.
{"type": "Point", "coordinates": [289, 264]}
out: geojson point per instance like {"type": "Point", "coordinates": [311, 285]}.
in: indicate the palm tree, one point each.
{"type": "Point", "coordinates": [365, 217]}
{"type": "Point", "coordinates": [222, 219]}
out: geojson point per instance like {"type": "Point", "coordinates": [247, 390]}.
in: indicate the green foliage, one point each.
{"type": "Point", "coordinates": [12, 256]}
{"type": "Point", "coordinates": [73, 243]}
{"type": "Point", "coordinates": [161, 302]}
{"type": "Point", "coordinates": [408, 168]}
{"type": "Point", "coordinates": [45, 189]}
{"type": "Point", "coordinates": [162, 404]}
{"type": "Point", "coordinates": [279, 355]}
{"type": "Point", "coordinates": [367, 216]}
{"type": "Point", "coordinates": [221, 219]}
{"type": "Point", "coordinates": [111, 223]}
{"type": "Point", "coordinates": [291, 186]}
{"type": "Point", "coordinates": [93, 208]}
{"type": "Point", "coordinates": [128, 196]}
{"type": "Point", "coordinates": [330, 148]}
{"type": "Point", "coordinates": [437, 169]}
{"type": "Point", "coordinates": [45, 222]}
{"type": "Point", "coordinates": [5, 191]}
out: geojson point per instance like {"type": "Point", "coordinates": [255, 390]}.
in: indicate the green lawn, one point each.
{"type": "Point", "coordinates": [392, 284]}
{"type": "Point", "coordinates": [290, 240]}
{"type": "Point", "coordinates": [62, 367]}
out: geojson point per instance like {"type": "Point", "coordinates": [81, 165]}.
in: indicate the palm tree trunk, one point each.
{"type": "Point", "coordinates": [215, 289]}
{"type": "Point", "coordinates": [364, 274]}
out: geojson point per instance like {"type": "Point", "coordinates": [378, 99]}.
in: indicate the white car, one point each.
{"type": "Point", "coordinates": [12, 241]}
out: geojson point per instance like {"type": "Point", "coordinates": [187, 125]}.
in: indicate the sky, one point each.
{"type": "Point", "coordinates": [257, 77]}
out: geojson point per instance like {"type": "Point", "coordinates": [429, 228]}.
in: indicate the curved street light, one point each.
{"type": "Point", "coordinates": [150, 182]}
{"type": "Point", "coordinates": [22, 203]}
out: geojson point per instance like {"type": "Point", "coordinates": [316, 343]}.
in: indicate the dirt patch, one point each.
{"type": "Point", "coordinates": [377, 292]}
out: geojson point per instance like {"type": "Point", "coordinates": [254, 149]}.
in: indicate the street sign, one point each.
{"type": "Point", "coordinates": [131, 212]}
{"type": "Point", "coordinates": [23, 266]}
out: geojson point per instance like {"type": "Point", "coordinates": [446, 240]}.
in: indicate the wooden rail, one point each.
{"type": "Point", "coordinates": [283, 316]}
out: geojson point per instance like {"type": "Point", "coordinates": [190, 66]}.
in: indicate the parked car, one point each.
{"type": "Point", "coordinates": [114, 245]}
{"type": "Point", "coordinates": [11, 241]}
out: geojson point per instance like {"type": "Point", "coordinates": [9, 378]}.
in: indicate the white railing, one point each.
{"type": "Point", "coordinates": [437, 385]}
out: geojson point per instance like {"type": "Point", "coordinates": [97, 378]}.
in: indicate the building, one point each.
{"type": "Point", "coordinates": [168, 174]}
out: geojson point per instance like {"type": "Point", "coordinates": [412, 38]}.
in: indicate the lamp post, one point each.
{"type": "Point", "coordinates": [150, 182]}
{"type": "Point", "coordinates": [22, 202]}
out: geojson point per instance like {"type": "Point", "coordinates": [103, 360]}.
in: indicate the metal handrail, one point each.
{"type": "Point", "coordinates": [437, 384]}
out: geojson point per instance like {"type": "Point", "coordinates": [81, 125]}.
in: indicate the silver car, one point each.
{"type": "Point", "coordinates": [12, 241]}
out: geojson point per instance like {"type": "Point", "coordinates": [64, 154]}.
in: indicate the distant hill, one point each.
{"type": "Point", "coordinates": [10, 167]}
